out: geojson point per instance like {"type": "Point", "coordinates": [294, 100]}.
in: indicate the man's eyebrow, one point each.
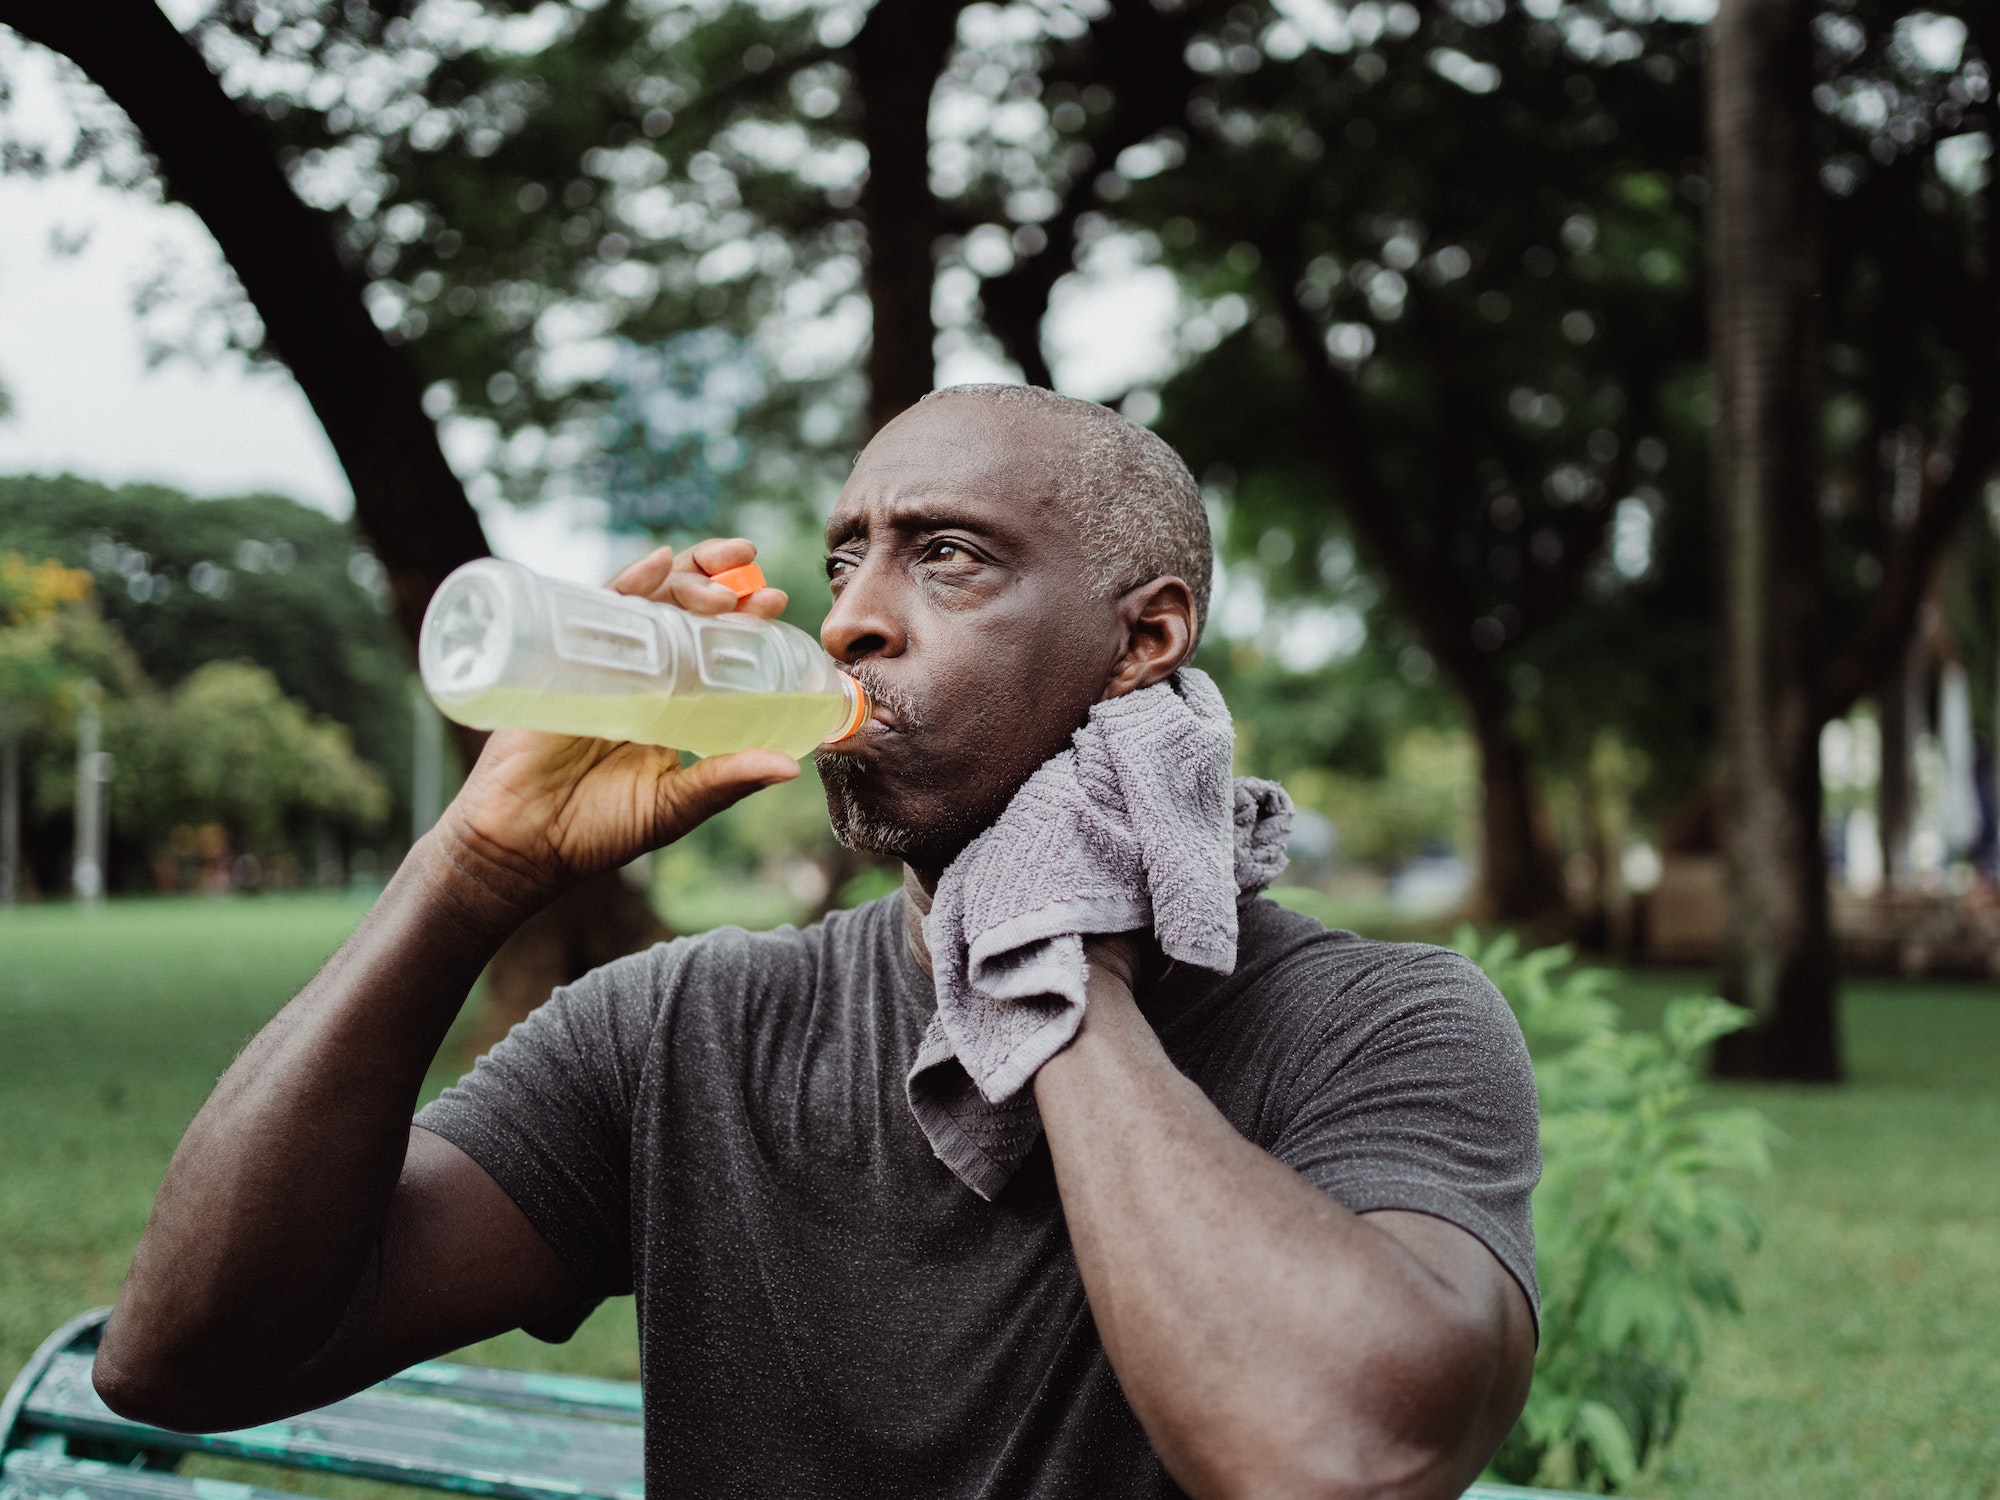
{"type": "Point", "coordinates": [925, 513]}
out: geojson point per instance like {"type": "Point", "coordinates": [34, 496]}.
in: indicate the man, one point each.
{"type": "Point", "coordinates": [1276, 1242]}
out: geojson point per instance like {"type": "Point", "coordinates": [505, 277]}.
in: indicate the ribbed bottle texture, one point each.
{"type": "Point", "coordinates": [504, 647]}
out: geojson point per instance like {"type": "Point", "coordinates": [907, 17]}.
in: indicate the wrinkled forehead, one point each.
{"type": "Point", "coordinates": [998, 464]}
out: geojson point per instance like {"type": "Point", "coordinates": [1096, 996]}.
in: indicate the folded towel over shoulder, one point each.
{"type": "Point", "coordinates": [1136, 826]}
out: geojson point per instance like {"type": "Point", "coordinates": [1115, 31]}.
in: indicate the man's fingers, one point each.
{"type": "Point", "coordinates": [698, 592]}
{"type": "Point", "coordinates": [683, 579]}
{"type": "Point", "coordinates": [688, 584]}
{"type": "Point", "coordinates": [645, 576]}
{"type": "Point", "coordinates": [768, 603]}
{"type": "Point", "coordinates": [702, 790]}
{"type": "Point", "coordinates": [717, 553]}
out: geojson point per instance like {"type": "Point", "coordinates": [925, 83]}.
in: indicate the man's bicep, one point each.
{"type": "Point", "coordinates": [458, 1261]}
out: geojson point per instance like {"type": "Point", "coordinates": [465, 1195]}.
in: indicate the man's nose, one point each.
{"type": "Point", "coordinates": [864, 621]}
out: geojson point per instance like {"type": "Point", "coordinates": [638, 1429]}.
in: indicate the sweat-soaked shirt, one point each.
{"type": "Point", "coordinates": [720, 1126]}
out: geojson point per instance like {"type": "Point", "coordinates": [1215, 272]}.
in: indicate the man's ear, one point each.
{"type": "Point", "coordinates": [1159, 625]}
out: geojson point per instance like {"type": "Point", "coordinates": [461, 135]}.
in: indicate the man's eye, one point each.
{"type": "Point", "coordinates": [946, 552]}
{"type": "Point", "coordinates": [837, 565]}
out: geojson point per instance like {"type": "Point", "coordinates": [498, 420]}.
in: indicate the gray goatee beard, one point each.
{"type": "Point", "coordinates": [846, 781]}
{"type": "Point", "coordinates": [854, 826]}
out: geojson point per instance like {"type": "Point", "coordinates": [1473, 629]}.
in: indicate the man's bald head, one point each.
{"type": "Point", "coordinates": [1138, 510]}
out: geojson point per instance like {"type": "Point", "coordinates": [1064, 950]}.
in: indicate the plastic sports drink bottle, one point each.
{"type": "Point", "coordinates": [504, 647]}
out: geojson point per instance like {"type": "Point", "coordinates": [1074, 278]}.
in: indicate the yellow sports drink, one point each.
{"type": "Point", "coordinates": [504, 648]}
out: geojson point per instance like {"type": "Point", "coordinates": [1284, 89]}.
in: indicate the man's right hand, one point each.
{"type": "Point", "coordinates": [541, 811]}
{"type": "Point", "coordinates": [308, 1240]}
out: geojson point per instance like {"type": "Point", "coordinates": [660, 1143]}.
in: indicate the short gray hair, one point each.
{"type": "Point", "coordinates": [1137, 507]}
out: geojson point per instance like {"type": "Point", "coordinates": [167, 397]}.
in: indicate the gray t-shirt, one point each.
{"type": "Point", "coordinates": [719, 1124]}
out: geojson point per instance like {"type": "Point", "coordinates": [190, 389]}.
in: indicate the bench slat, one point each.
{"type": "Point", "coordinates": [522, 1390]}
{"type": "Point", "coordinates": [404, 1439]}
{"type": "Point", "coordinates": [49, 1476]}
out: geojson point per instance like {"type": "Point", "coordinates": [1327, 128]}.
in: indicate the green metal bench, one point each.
{"type": "Point", "coordinates": [465, 1429]}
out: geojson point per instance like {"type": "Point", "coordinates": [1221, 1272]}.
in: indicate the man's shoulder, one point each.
{"type": "Point", "coordinates": [729, 947]}
{"type": "Point", "coordinates": [1302, 991]}
{"type": "Point", "coordinates": [1279, 947]}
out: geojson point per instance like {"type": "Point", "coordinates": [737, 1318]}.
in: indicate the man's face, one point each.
{"type": "Point", "coordinates": [960, 601]}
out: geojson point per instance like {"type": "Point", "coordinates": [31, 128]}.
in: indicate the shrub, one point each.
{"type": "Point", "coordinates": [1636, 1232]}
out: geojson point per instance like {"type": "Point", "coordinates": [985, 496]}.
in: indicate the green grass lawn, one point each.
{"type": "Point", "coordinates": [1867, 1363]}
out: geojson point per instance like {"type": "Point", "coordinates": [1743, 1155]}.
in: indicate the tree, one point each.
{"type": "Point", "coordinates": [56, 655]}
{"type": "Point", "coordinates": [227, 747]}
{"type": "Point", "coordinates": [1818, 608]}
{"type": "Point", "coordinates": [258, 578]}
{"type": "Point", "coordinates": [1765, 280]}
{"type": "Point", "coordinates": [347, 293]}
{"type": "Point", "coordinates": [211, 156]}
{"type": "Point", "coordinates": [1467, 370]}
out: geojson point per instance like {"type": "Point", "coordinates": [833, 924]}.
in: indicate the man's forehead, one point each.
{"type": "Point", "coordinates": [955, 452]}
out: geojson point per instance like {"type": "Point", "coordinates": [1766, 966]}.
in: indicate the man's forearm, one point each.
{"type": "Point", "coordinates": [1269, 1341]}
{"type": "Point", "coordinates": [274, 1202]}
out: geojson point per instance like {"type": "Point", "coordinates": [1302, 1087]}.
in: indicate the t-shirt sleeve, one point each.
{"type": "Point", "coordinates": [1416, 1093]}
{"type": "Point", "coordinates": [548, 1114]}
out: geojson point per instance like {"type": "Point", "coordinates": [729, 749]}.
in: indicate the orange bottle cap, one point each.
{"type": "Point", "coordinates": [743, 581]}
{"type": "Point", "coordinates": [858, 706]}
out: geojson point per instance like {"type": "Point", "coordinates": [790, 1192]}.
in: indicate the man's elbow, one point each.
{"type": "Point", "coordinates": [1410, 1430]}
{"type": "Point", "coordinates": [154, 1386]}
{"type": "Point", "coordinates": [1336, 1470]}
{"type": "Point", "coordinates": [136, 1390]}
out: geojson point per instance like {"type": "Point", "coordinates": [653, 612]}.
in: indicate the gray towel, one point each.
{"type": "Point", "coordinates": [1138, 825]}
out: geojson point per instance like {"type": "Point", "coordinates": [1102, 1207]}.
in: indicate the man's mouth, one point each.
{"type": "Point", "coordinates": [891, 710]}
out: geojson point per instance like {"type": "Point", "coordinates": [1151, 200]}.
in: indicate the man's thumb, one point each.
{"type": "Point", "coordinates": [700, 791]}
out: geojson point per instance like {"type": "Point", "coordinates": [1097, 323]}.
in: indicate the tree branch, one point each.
{"type": "Point", "coordinates": [1942, 503]}
{"type": "Point", "coordinates": [214, 157]}
{"type": "Point", "coordinates": [1440, 617]}
{"type": "Point", "coordinates": [1141, 49]}
{"type": "Point", "coordinates": [897, 56]}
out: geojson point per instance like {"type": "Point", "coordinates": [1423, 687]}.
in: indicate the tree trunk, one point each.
{"type": "Point", "coordinates": [1520, 874]}
{"type": "Point", "coordinates": [898, 55]}
{"type": "Point", "coordinates": [1777, 958]}
{"type": "Point", "coordinates": [1591, 919]}
{"type": "Point", "coordinates": [1898, 712]}
{"type": "Point", "coordinates": [1520, 877]}
{"type": "Point", "coordinates": [10, 804]}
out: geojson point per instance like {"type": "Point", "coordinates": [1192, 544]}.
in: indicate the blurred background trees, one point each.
{"type": "Point", "coordinates": [222, 780]}
{"type": "Point", "coordinates": [1440, 294]}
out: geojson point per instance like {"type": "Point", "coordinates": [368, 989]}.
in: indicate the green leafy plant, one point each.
{"type": "Point", "coordinates": [1637, 1232]}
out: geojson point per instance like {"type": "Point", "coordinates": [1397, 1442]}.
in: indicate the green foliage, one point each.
{"type": "Point", "coordinates": [1636, 1233]}
{"type": "Point", "coordinates": [228, 747]}
{"type": "Point", "coordinates": [1424, 800]}
{"type": "Point", "coordinates": [1504, 259]}
{"type": "Point", "coordinates": [225, 747]}
{"type": "Point", "coordinates": [259, 578]}
{"type": "Point", "coordinates": [52, 640]}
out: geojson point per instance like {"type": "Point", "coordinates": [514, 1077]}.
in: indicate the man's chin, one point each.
{"type": "Point", "coordinates": [855, 798]}
{"type": "Point", "coordinates": [847, 781]}
{"type": "Point", "coordinates": [856, 830]}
